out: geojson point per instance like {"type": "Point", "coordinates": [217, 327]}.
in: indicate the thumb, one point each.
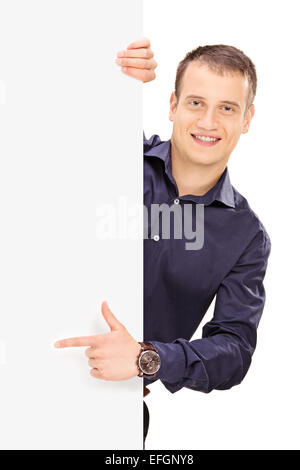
{"type": "Point", "coordinates": [109, 317]}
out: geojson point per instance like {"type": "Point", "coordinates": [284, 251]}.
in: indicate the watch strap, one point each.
{"type": "Point", "coordinates": [148, 347]}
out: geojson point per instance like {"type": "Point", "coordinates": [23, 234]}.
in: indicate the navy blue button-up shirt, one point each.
{"type": "Point", "coordinates": [180, 284]}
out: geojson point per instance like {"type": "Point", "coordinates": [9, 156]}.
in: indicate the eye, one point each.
{"type": "Point", "coordinates": [227, 108]}
{"type": "Point", "coordinates": [195, 101]}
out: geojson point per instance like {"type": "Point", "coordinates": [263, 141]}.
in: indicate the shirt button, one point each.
{"type": "Point", "coordinates": [156, 238]}
{"type": "Point", "coordinates": [176, 201]}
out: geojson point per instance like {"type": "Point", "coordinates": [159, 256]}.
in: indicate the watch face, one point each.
{"type": "Point", "coordinates": [149, 362]}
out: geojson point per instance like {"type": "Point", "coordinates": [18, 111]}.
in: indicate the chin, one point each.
{"type": "Point", "coordinates": [204, 160]}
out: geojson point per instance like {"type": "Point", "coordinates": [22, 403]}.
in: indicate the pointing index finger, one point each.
{"type": "Point", "coordinates": [76, 342]}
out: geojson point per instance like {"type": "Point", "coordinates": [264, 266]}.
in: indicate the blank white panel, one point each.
{"type": "Point", "coordinates": [70, 141]}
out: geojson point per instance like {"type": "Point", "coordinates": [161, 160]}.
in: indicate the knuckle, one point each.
{"type": "Point", "coordinates": [104, 376]}
{"type": "Point", "coordinates": [87, 352]}
{"type": "Point", "coordinates": [100, 355]}
{"type": "Point", "coordinates": [122, 327]}
{"type": "Point", "coordinates": [93, 373]}
{"type": "Point", "coordinates": [150, 76]}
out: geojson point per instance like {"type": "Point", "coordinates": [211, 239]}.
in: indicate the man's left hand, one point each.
{"type": "Point", "coordinates": [112, 356]}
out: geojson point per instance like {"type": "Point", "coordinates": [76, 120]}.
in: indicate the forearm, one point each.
{"type": "Point", "coordinates": [217, 362]}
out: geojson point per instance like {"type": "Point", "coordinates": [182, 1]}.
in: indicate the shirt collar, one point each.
{"type": "Point", "coordinates": [222, 191]}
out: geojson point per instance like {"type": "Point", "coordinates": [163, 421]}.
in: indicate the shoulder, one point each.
{"type": "Point", "coordinates": [259, 233]}
{"type": "Point", "coordinates": [152, 142]}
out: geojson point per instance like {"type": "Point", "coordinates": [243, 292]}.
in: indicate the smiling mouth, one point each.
{"type": "Point", "coordinates": [205, 140]}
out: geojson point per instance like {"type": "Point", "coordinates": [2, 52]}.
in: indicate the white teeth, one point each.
{"type": "Point", "coordinates": [206, 139]}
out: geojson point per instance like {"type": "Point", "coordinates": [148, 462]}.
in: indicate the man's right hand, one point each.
{"type": "Point", "coordinates": [137, 60]}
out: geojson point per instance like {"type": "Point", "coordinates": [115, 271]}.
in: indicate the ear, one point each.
{"type": "Point", "coordinates": [173, 105]}
{"type": "Point", "coordinates": [247, 120]}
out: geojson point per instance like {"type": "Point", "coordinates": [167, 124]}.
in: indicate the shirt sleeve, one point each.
{"type": "Point", "coordinates": [222, 357]}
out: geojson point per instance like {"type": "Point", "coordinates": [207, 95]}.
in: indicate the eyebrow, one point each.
{"type": "Point", "coordinates": [233, 103]}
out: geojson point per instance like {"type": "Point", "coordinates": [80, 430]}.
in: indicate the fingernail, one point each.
{"type": "Point", "coordinates": [124, 69]}
{"type": "Point", "coordinates": [118, 61]}
{"type": "Point", "coordinates": [121, 54]}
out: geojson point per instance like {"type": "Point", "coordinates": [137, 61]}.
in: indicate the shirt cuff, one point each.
{"type": "Point", "coordinates": [172, 358]}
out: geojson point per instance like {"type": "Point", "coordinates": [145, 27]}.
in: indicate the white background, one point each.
{"type": "Point", "coordinates": [263, 411]}
{"type": "Point", "coordinates": [70, 140]}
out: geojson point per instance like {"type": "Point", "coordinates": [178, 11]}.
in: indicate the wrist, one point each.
{"type": "Point", "coordinates": [148, 361]}
{"type": "Point", "coordinates": [136, 357]}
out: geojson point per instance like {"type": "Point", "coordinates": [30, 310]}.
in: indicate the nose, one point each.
{"type": "Point", "coordinates": [208, 119]}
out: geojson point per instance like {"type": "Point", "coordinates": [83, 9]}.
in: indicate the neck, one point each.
{"type": "Point", "coordinates": [196, 179]}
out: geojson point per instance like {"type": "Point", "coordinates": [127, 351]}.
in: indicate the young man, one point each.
{"type": "Point", "coordinates": [211, 107]}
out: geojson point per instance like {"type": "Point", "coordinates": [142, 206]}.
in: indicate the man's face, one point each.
{"type": "Point", "coordinates": [209, 105]}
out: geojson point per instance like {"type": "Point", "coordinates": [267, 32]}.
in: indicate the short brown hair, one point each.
{"type": "Point", "coordinates": [220, 58]}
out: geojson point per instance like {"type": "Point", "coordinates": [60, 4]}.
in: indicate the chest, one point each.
{"type": "Point", "coordinates": [168, 262]}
